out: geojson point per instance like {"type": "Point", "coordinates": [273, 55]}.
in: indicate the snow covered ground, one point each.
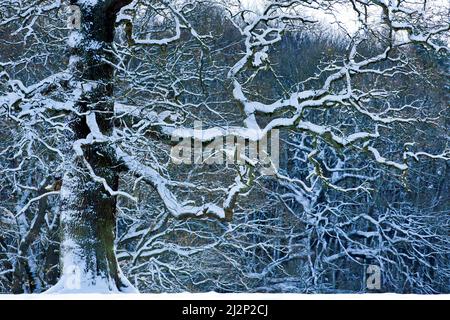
{"type": "Point", "coordinates": [226, 296]}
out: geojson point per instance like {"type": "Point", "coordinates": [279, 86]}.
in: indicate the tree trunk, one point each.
{"type": "Point", "coordinates": [88, 210]}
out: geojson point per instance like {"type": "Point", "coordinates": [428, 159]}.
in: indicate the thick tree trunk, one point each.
{"type": "Point", "coordinates": [88, 210]}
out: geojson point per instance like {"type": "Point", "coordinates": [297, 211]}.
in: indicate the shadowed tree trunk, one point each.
{"type": "Point", "coordinates": [88, 210]}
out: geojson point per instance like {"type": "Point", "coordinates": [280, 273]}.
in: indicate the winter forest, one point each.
{"type": "Point", "coordinates": [274, 146]}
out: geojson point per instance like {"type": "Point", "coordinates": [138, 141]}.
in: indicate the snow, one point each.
{"type": "Point", "coordinates": [260, 57]}
{"type": "Point", "coordinates": [75, 39]}
{"type": "Point", "coordinates": [161, 184]}
{"type": "Point", "coordinates": [94, 136]}
{"type": "Point", "coordinates": [87, 3]}
{"type": "Point", "coordinates": [205, 135]}
{"type": "Point", "coordinates": [96, 285]}
{"type": "Point", "coordinates": [383, 160]}
{"type": "Point", "coordinates": [93, 126]}
{"type": "Point", "coordinates": [225, 296]}
{"type": "Point", "coordinates": [321, 130]}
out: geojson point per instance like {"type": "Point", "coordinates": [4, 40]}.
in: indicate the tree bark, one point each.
{"type": "Point", "coordinates": [88, 211]}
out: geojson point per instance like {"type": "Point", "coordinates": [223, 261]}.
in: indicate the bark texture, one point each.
{"type": "Point", "coordinates": [88, 210]}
